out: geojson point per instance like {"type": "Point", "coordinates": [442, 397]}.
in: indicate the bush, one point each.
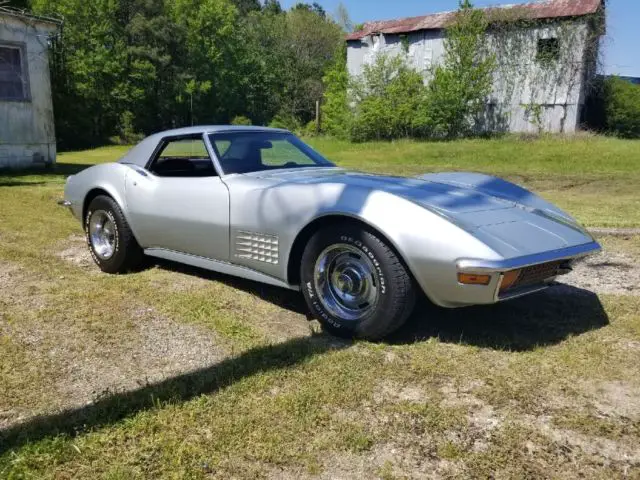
{"type": "Point", "coordinates": [622, 107]}
{"type": "Point", "coordinates": [287, 122]}
{"type": "Point", "coordinates": [241, 120]}
{"type": "Point", "coordinates": [127, 134]}
{"type": "Point", "coordinates": [390, 102]}
{"type": "Point", "coordinates": [310, 129]}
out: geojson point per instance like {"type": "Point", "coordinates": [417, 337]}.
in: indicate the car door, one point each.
{"type": "Point", "coordinates": [179, 202]}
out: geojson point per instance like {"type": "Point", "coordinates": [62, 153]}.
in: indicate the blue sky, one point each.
{"type": "Point", "coordinates": [622, 45]}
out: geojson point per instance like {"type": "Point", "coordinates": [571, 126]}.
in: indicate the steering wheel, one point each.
{"type": "Point", "coordinates": [290, 165]}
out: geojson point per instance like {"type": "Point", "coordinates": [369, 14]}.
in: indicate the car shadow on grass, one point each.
{"type": "Point", "coordinates": [542, 319]}
{"type": "Point", "coordinates": [113, 407]}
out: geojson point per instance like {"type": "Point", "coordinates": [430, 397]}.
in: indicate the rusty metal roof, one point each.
{"type": "Point", "coordinates": [437, 21]}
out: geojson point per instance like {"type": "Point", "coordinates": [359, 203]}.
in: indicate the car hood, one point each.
{"type": "Point", "coordinates": [508, 218]}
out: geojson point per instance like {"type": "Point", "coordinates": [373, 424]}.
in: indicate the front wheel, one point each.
{"type": "Point", "coordinates": [355, 284]}
{"type": "Point", "coordinates": [109, 237]}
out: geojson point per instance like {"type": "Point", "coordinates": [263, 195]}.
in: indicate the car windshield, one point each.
{"type": "Point", "coordinates": [244, 152]}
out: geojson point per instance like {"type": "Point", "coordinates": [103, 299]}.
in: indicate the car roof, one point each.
{"type": "Point", "coordinates": [141, 153]}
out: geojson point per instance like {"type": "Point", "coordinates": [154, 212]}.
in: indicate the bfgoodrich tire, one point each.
{"type": "Point", "coordinates": [354, 283]}
{"type": "Point", "coordinates": [109, 237]}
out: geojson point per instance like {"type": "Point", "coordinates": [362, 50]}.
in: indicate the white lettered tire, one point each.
{"type": "Point", "coordinates": [354, 283]}
{"type": "Point", "coordinates": [109, 237]}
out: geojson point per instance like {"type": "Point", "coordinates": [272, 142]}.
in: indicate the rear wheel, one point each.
{"type": "Point", "coordinates": [354, 283]}
{"type": "Point", "coordinates": [109, 237]}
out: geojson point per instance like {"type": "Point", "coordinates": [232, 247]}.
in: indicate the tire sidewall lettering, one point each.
{"type": "Point", "coordinates": [369, 253]}
{"type": "Point", "coordinates": [313, 297]}
{"type": "Point", "coordinates": [116, 249]}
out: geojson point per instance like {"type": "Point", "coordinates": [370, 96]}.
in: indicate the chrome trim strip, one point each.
{"type": "Point", "coordinates": [218, 266]}
{"type": "Point", "coordinates": [488, 266]}
{"type": "Point", "coordinates": [524, 291]}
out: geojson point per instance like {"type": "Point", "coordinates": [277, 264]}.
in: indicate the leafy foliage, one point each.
{"type": "Point", "coordinates": [129, 67]}
{"type": "Point", "coordinates": [336, 114]}
{"type": "Point", "coordinates": [622, 107]}
{"type": "Point", "coordinates": [241, 120]}
{"type": "Point", "coordinates": [390, 100]}
{"type": "Point", "coordinates": [460, 86]}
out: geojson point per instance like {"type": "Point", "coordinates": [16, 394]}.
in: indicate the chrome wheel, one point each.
{"type": "Point", "coordinates": [102, 234]}
{"type": "Point", "coordinates": [346, 282]}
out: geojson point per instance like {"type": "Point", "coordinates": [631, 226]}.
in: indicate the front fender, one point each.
{"type": "Point", "coordinates": [429, 244]}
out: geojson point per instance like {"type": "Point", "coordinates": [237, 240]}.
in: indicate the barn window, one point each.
{"type": "Point", "coordinates": [13, 75]}
{"type": "Point", "coordinates": [548, 49]}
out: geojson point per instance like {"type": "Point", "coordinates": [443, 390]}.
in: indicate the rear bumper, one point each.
{"type": "Point", "coordinates": [557, 262]}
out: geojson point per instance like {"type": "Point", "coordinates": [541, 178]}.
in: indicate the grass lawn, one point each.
{"type": "Point", "coordinates": [175, 372]}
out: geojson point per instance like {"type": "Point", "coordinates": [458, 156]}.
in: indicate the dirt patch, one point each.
{"type": "Point", "coordinates": [75, 251]}
{"type": "Point", "coordinates": [20, 288]}
{"type": "Point", "coordinates": [615, 398]}
{"type": "Point", "coordinates": [157, 348]}
{"type": "Point", "coordinates": [393, 392]}
{"type": "Point", "coordinates": [609, 272]}
{"type": "Point", "coordinates": [82, 365]}
{"type": "Point", "coordinates": [592, 446]}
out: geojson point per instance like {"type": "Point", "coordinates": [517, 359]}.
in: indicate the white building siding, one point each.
{"type": "Point", "coordinates": [27, 134]}
{"type": "Point", "coordinates": [520, 81]}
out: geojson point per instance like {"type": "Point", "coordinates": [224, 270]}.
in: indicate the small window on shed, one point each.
{"type": "Point", "coordinates": [13, 79]}
{"type": "Point", "coordinates": [548, 49]}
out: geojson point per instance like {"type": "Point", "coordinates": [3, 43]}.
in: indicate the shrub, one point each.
{"type": "Point", "coordinates": [127, 133]}
{"type": "Point", "coordinates": [241, 120]}
{"type": "Point", "coordinates": [336, 114]}
{"type": "Point", "coordinates": [460, 86]}
{"type": "Point", "coordinates": [622, 107]}
{"type": "Point", "coordinates": [285, 121]}
{"type": "Point", "coordinates": [310, 129]}
{"type": "Point", "coordinates": [390, 99]}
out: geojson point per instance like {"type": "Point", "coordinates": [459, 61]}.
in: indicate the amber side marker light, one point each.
{"type": "Point", "coordinates": [509, 279]}
{"type": "Point", "coordinates": [473, 279]}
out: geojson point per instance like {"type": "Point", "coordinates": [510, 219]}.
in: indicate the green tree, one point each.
{"type": "Point", "coordinates": [622, 107]}
{"type": "Point", "coordinates": [246, 6]}
{"type": "Point", "coordinates": [90, 63]}
{"type": "Point", "coordinates": [460, 86]}
{"type": "Point", "coordinates": [314, 7]}
{"type": "Point", "coordinates": [336, 114]}
{"type": "Point", "coordinates": [272, 7]}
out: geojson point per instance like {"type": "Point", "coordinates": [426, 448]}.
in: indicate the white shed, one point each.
{"type": "Point", "coordinates": [528, 94]}
{"type": "Point", "coordinates": [27, 133]}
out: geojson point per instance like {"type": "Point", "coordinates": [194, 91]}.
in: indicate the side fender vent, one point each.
{"type": "Point", "coordinates": [258, 247]}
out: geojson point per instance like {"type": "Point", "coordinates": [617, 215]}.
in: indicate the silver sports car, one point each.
{"type": "Point", "coordinates": [258, 203]}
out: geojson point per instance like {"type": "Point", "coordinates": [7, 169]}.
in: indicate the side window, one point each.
{"type": "Point", "coordinates": [185, 157]}
{"type": "Point", "coordinates": [13, 73]}
{"type": "Point", "coordinates": [282, 153]}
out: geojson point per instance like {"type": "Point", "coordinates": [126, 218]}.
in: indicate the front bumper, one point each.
{"type": "Point", "coordinates": [540, 269]}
